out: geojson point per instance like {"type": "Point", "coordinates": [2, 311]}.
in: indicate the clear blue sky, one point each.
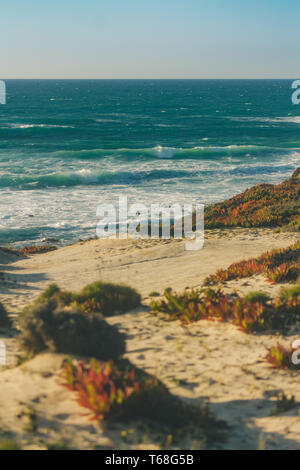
{"type": "Point", "coordinates": [150, 39]}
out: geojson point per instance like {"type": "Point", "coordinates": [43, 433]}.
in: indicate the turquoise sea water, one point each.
{"type": "Point", "coordinates": [68, 146]}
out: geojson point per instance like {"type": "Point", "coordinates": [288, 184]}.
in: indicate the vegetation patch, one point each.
{"type": "Point", "coordinates": [281, 265]}
{"type": "Point", "coordinates": [280, 357]}
{"type": "Point", "coordinates": [107, 299]}
{"type": "Point", "coordinates": [283, 404]}
{"type": "Point", "coordinates": [73, 323]}
{"type": "Point", "coordinates": [254, 297]}
{"type": "Point", "coordinates": [121, 392]}
{"type": "Point", "coordinates": [264, 205]}
{"type": "Point", "coordinates": [290, 293]}
{"type": "Point", "coordinates": [35, 249]}
{"type": "Point", "coordinates": [251, 314]}
{"type": "Point", "coordinates": [47, 326]}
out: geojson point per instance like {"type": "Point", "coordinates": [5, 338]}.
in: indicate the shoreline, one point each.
{"type": "Point", "coordinates": [147, 265]}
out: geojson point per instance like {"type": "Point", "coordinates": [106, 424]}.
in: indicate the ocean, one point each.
{"type": "Point", "coordinates": [67, 146]}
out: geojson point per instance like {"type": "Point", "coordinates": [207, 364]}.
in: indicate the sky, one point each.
{"type": "Point", "coordinates": [149, 39]}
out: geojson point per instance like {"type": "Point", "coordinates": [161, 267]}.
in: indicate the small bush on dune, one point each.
{"type": "Point", "coordinates": [51, 290]}
{"type": "Point", "coordinates": [67, 330]}
{"type": "Point", "coordinates": [121, 392]}
{"type": "Point", "coordinates": [107, 299]}
{"type": "Point", "coordinates": [4, 318]}
{"type": "Point", "coordinates": [53, 297]}
{"type": "Point", "coordinates": [254, 297]}
{"type": "Point", "coordinates": [290, 293]}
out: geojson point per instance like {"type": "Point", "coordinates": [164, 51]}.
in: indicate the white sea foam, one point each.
{"type": "Point", "coordinates": [32, 126]}
{"type": "Point", "coordinates": [85, 176]}
{"type": "Point", "coordinates": [280, 119]}
{"type": "Point", "coordinates": [165, 152]}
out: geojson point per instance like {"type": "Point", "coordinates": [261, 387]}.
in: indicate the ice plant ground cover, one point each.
{"type": "Point", "coordinates": [280, 357]}
{"type": "Point", "coordinates": [282, 265]}
{"type": "Point", "coordinates": [249, 314]}
{"type": "Point", "coordinates": [264, 205]}
{"type": "Point", "coordinates": [117, 391]}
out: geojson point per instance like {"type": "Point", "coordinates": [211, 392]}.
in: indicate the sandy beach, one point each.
{"type": "Point", "coordinates": [206, 361]}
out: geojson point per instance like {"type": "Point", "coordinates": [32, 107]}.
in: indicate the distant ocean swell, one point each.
{"type": "Point", "coordinates": [86, 177]}
{"type": "Point", "coordinates": [162, 152]}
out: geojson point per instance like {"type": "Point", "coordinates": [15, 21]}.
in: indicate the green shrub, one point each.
{"type": "Point", "coordinates": [254, 297]}
{"type": "Point", "coordinates": [51, 290]}
{"type": "Point", "coordinates": [53, 296]}
{"type": "Point", "coordinates": [107, 299]}
{"type": "Point", "coordinates": [67, 330]}
{"type": "Point", "coordinates": [290, 293]}
{"type": "Point", "coordinates": [111, 298]}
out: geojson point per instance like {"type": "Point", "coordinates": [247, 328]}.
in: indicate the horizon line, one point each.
{"type": "Point", "coordinates": [147, 78]}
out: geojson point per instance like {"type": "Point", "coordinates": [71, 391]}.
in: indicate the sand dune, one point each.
{"type": "Point", "coordinates": [147, 265]}
{"type": "Point", "coordinates": [210, 361]}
